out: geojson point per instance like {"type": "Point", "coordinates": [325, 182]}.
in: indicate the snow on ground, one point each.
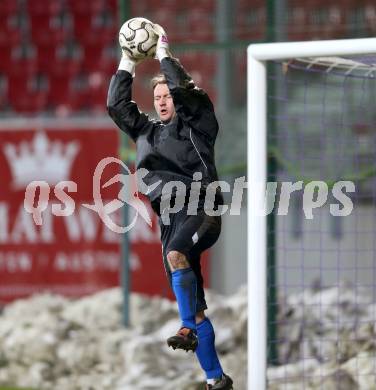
{"type": "Point", "coordinates": [51, 342]}
{"type": "Point", "coordinates": [327, 340]}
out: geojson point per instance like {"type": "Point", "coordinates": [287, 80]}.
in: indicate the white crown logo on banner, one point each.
{"type": "Point", "coordinates": [40, 159]}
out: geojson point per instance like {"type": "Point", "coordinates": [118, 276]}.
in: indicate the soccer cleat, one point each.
{"type": "Point", "coordinates": [185, 339]}
{"type": "Point", "coordinates": [225, 383]}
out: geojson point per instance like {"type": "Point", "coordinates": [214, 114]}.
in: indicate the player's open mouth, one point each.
{"type": "Point", "coordinates": [163, 111]}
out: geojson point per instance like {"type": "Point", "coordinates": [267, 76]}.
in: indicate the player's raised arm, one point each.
{"type": "Point", "coordinates": [192, 104]}
{"type": "Point", "coordinates": [120, 106]}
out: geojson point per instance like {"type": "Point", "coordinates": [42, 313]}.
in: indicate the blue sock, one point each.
{"type": "Point", "coordinates": [205, 352]}
{"type": "Point", "coordinates": [184, 284]}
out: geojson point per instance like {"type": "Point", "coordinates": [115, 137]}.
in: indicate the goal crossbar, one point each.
{"type": "Point", "coordinates": [257, 55]}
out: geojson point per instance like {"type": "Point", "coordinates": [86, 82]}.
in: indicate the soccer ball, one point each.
{"type": "Point", "coordinates": [138, 39]}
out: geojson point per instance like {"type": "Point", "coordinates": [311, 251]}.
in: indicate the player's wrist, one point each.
{"type": "Point", "coordinates": [128, 65]}
{"type": "Point", "coordinates": [162, 53]}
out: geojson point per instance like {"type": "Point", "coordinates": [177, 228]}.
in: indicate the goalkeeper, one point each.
{"type": "Point", "coordinates": [178, 147]}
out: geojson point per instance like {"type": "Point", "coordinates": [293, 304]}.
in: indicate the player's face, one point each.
{"type": "Point", "coordinates": [163, 103]}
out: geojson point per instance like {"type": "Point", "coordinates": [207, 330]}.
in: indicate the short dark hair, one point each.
{"type": "Point", "coordinates": [158, 79]}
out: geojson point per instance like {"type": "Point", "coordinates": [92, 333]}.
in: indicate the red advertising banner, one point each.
{"type": "Point", "coordinates": [70, 250]}
{"type": "Point", "coordinates": [72, 255]}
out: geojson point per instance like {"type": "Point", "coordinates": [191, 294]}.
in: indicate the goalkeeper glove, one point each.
{"type": "Point", "coordinates": [162, 49]}
{"type": "Point", "coordinates": [127, 63]}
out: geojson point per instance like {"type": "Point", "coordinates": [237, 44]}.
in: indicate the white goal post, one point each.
{"type": "Point", "coordinates": [258, 55]}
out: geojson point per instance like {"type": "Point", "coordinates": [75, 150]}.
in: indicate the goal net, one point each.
{"type": "Point", "coordinates": [312, 228]}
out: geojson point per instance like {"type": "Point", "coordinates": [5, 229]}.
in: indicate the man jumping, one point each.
{"type": "Point", "coordinates": [179, 147]}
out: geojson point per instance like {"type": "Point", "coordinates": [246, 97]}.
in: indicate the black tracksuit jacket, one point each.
{"type": "Point", "coordinates": [178, 149]}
